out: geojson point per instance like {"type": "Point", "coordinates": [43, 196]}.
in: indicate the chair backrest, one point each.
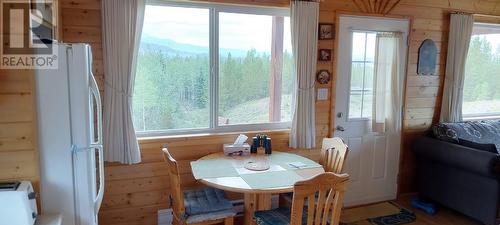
{"type": "Point", "coordinates": [333, 154]}
{"type": "Point", "coordinates": [325, 209]}
{"type": "Point", "coordinates": [177, 196]}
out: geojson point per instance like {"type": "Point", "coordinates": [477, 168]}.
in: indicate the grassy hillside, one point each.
{"type": "Point", "coordinates": [257, 111]}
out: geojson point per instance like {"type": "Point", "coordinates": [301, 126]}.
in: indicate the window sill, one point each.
{"type": "Point", "coordinates": [174, 137]}
{"type": "Point", "coordinates": [478, 118]}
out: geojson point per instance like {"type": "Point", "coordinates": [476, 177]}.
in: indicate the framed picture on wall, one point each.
{"type": "Point", "coordinates": [323, 76]}
{"type": "Point", "coordinates": [326, 31]}
{"type": "Point", "coordinates": [324, 55]}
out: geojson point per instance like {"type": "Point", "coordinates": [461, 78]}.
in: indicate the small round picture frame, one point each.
{"type": "Point", "coordinates": [323, 76]}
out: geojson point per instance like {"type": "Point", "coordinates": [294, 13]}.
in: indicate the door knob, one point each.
{"type": "Point", "coordinates": [340, 128]}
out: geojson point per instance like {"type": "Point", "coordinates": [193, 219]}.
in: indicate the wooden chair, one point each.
{"type": "Point", "coordinates": [332, 157]}
{"type": "Point", "coordinates": [306, 207]}
{"type": "Point", "coordinates": [333, 154]}
{"type": "Point", "coordinates": [213, 213]}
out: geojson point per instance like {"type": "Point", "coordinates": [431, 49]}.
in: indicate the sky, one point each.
{"type": "Point", "coordinates": [191, 26]}
{"type": "Point", "coordinates": [490, 31]}
{"type": "Point", "coordinates": [237, 31]}
{"type": "Point", "coordinates": [494, 40]}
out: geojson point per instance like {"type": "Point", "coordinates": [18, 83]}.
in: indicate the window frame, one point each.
{"type": "Point", "coordinates": [213, 80]}
{"type": "Point", "coordinates": [486, 115]}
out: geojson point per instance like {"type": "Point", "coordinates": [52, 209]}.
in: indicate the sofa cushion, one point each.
{"type": "Point", "coordinates": [485, 147]}
{"type": "Point", "coordinates": [467, 133]}
{"type": "Point", "coordinates": [430, 149]}
{"type": "Point", "coordinates": [445, 132]}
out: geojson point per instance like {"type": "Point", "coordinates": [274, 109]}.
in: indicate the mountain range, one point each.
{"type": "Point", "coordinates": [172, 48]}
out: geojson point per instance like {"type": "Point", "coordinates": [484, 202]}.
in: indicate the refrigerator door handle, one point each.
{"type": "Point", "coordinates": [95, 92]}
{"type": "Point", "coordinates": [100, 192]}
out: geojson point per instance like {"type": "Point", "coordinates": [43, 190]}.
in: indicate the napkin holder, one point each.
{"type": "Point", "coordinates": [236, 150]}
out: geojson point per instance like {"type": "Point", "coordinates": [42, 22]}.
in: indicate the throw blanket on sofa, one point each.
{"type": "Point", "coordinates": [479, 132]}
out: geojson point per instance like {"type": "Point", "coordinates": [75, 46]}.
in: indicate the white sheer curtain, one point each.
{"type": "Point", "coordinates": [458, 47]}
{"type": "Point", "coordinates": [122, 26]}
{"type": "Point", "coordinates": [304, 27]}
{"type": "Point", "coordinates": [388, 82]}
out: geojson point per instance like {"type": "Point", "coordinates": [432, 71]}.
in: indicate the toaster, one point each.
{"type": "Point", "coordinates": [17, 203]}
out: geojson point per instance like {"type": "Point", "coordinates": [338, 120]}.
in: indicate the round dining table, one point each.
{"type": "Point", "coordinates": [256, 176]}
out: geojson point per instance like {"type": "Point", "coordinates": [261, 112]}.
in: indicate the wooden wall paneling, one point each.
{"type": "Point", "coordinates": [18, 151]}
{"type": "Point", "coordinates": [144, 187]}
{"type": "Point", "coordinates": [426, 81]}
{"type": "Point", "coordinates": [325, 108]}
{"type": "Point", "coordinates": [16, 136]}
{"type": "Point", "coordinates": [136, 199]}
{"type": "Point", "coordinates": [376, 7]}
{"type": "Point", "coordinates": [15, 82]}
{"type": "Point", "coordinates": [133, 215]}
{"type": "Point", "coordinates": [20, 108]}
{"type": "Point", "coordinates": [80, 4]}
{"type": "Point", "coordinates": [81, 17]}
{"type": "Point", "coordinates": [430, 19]}
{"type": "Point", "coordinates": [134, 193]}
{"type": "Point", "coordinates": [487, 19]}
{"type": "Point", "coordinates": [18, 125]}
{"type": "Point", "coordinates": [135, 185]}
{"type": "Point", "coordinates": [18, 128]}
{"type": "Point", "coordinates": [81, 34]}
{"type": "Point", "coordinates": [16, 165]}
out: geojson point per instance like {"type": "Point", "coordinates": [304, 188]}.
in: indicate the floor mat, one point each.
{"type": "Point", "coordinates": [385, 213]}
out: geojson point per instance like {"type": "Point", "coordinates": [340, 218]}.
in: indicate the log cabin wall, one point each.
{"type": "Point", "coordinates": [429, 20]}
{"type": "Point", "coordinates": [18, 151]}
{"type": "Point", "coordinates": [134, 193]}
{"type": "Point", "coordinates": [18, 121]}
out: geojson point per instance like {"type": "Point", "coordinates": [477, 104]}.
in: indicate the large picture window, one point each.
{"type": "Point", "coordinates": [481, 95]}
{"type": "Point", "coordinates": [211, 68]}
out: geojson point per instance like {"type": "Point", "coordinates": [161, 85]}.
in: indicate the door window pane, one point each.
{"type": "Point", "coordinates": [171, 86]}
{"type": "Point", "coordinates": [246, 69]}
{"type": "Point", "coordinates": [358, 46]}
{"type": "Point", "coordinates": [481, 95]}
{"type": "Point", "coordinates": [368, 90]}
{"type": "Point", "coordinates": [362, 69]}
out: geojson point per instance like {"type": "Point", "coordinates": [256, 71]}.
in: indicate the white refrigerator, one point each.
{"type": "Point", "coordinates": [70, 137]}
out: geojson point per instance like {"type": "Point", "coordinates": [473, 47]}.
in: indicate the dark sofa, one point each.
{"type": "Point", "coordinates": [461, 172]}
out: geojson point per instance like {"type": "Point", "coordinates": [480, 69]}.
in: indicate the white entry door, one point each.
{"type": "Point", "coordinates": [373, 158]}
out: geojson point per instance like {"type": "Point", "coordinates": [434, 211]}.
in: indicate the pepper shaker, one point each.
{"type": "Point", "coordinates": [268, 147]}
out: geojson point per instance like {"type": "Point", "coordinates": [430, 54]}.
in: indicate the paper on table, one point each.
{"type": "Point", "coordinates": [284, 160]}
{"type": "Point", "coordinates": [212, 168]}
{"type": "Point", "coordinates": [297, 165]}
{"type": "Point", "coordinates": [272, 179]}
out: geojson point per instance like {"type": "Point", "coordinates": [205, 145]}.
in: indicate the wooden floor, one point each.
{"type": "Point", "coordinates": [444, 216]}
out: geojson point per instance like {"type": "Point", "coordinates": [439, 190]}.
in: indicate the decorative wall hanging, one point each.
{"type": "Point", "coordinates": [324, 55]}
{"type": "Point", "coordinates": [383, 7]}
{"type": "Point", "coordinates": [427, 55]}
{"type": "Point", "coordinates": [326, 31]}
{"type": "Point", "coordinates": [323, 76]}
